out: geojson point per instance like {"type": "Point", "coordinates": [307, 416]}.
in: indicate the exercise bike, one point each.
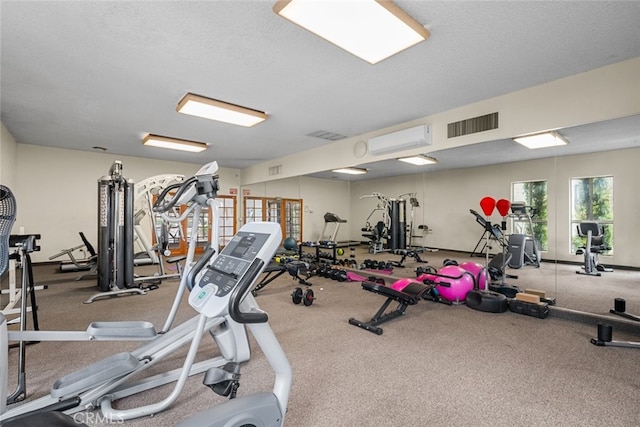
{"type": "Point", "coordinates": [594, 245]}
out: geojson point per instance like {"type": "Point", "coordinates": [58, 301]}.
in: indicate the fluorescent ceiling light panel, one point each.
{"type": "Point", "coordinates": [174, 143]}
{"type": "Point", "coordinates": [213, 109]}
{"type": "Point", "coordinates": [372, 30]}
{"type": "Point", "coordinates": [350, 171]}
{"type": "Point", "coordinates": [419, 160]}
{"type": "Point", "coordinates": [541, 140]}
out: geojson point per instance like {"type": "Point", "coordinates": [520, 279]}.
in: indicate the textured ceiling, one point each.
{"type": "Point", "coordinates": [84, 74]}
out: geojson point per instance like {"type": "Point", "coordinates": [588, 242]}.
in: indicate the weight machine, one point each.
{"type": "Point", "coordinates": [115, 235]}
{"type": "Point", "coordinates": [119, 229]}
{"type": "Point", "coordinates": [393, 226]}
{"type": "Point", "coordinates": [145, 191]}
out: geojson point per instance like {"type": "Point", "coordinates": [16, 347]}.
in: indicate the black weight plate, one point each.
{"type": "Point", "coordinates": [308, 297]}
{"type": "Point", "coordinates": [296, 296]}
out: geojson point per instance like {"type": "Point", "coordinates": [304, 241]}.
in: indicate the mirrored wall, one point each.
{"type": "Point", "coordinates": [600, 163]}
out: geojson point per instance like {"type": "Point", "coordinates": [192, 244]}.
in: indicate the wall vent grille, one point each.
{"type": "Point", "coordinates": [275, 170]}
{"type": "Point", "coordinates": [473, 125]}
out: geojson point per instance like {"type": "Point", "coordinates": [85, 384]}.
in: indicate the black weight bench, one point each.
{"type": "Point", "coordinates": [272, 271]}
{"type": "Point", "coordinates": [410, 295]}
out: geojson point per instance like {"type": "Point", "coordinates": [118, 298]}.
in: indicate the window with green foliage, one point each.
{"type": "Point", "coordinates": [592, 200]}
{"type": "Point", "coordinates": [534, 195]}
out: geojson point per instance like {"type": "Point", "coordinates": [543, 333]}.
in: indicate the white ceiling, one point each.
{"type": "Point", "coordinates": [79, 75]}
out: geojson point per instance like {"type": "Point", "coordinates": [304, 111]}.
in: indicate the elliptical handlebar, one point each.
{"type": "Point", "coordinates": [193, 272]}
{"type": "Point", "coordinates": [162, 206]}
{"type": "Point", "coordinates": [239, 292]}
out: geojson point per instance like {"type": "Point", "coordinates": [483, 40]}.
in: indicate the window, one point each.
{"type": "Point", "coordinates": [293, 218]}
{"type": "Point", "coordinates": [286, 212]}
{"type": "Point", "coordinates": [227, 224]}
{"type": "Point", "coordinates": [533, 194]}
{"type": "Point", "coordinates": [253, 209]}
{"type": "Point", "coordinates": [179, 234]}
{"type": "Point", "coordinates": [592, 200]}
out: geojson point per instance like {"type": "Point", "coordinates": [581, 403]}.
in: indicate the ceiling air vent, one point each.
{"type": "Point", "coordinates": [323, 134]}
{"type": "Point", "coordinates": [473, 125]}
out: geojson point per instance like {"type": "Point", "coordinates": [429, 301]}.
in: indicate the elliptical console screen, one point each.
{"type": "Point", "coordinates": [228, 268]}
{"type": "Point", "coordinates": [243, 246]}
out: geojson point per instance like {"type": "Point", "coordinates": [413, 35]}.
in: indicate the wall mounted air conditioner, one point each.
{"type": "Point", "coordinates": [401, 140]}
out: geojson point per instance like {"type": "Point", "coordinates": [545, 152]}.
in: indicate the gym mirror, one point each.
{"type": "Point", "coordinates": [587, 179]}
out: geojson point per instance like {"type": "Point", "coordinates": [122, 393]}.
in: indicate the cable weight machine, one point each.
{"type": "Point", "coordinates": [115, 234]}
{"type": "Point", "coordinates": [398, 230]}
{"type": "Point", "coordinates": [392, 228]}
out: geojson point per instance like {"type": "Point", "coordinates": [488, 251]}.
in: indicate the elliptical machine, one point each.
{"type": "Point", "coordinates": [223, 289]}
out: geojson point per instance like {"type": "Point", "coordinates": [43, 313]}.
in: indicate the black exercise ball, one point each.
{"type": "Point", "coordinates": [290, 244]}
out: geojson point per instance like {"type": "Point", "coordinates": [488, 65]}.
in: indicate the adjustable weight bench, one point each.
{"type": "Point", "coordinates": [273, 270]}
{"type": "Point", "coordinates": [409, 295]}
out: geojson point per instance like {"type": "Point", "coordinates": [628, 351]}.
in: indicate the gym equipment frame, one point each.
{"type": "Point", "coordinates": [620, 308]}
{"type": "Point", "coordinates": [605, 335]}
{"type": "Point", "coordinates": [491, 232]}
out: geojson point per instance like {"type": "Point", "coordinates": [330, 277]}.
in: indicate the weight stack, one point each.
{"type": "Point", "coordinates": [540, 309]}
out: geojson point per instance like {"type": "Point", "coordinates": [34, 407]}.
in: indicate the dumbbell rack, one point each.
{"type": "Point", "coordinates": [319, 255]}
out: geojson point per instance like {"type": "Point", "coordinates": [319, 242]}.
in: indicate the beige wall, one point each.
{"type": "Point", "coordinates": [8, 158]}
